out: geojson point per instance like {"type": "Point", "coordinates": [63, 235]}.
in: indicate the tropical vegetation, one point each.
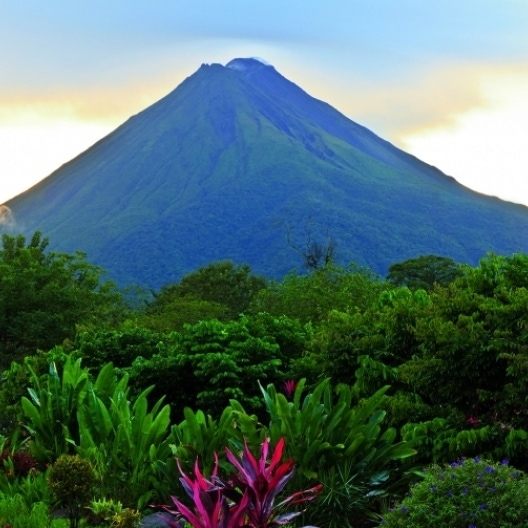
{"type": "Point", "coordinates": [328, 398]}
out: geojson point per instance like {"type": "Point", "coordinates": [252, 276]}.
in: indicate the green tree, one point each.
{"type": "Point", "coordinates": [223, 284]}
{"type": "Point", "coordinates": [45, 296]}
{"type": "Point", "coordinates": [424, 272]}
{"type": "Point", "coordinates": [120, 347]}
{"type": "Point", "coordinates": [172, 312]}
{"type": "Point", "coordinates": [210, 363]}
{"type": "Point", "coordinates": [72, 481]}
{"type": "Point", "coordinates": [340, 340]}
{"type": "Point", "coordinates": [471, 344]}
{"type": "Point", "coordinates": [311, 297]}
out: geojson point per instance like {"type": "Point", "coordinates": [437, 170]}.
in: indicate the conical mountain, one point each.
{"type": "Point", "coordinates": [239, 163]}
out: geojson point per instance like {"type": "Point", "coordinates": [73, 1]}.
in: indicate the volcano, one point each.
{"type": "Point", "coordinates": [239, 163]}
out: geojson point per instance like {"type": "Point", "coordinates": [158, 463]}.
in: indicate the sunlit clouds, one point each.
{"type": "Point", "coordinates": [39, 133]}
{"type": "Point", "coordinates": [484, 148]}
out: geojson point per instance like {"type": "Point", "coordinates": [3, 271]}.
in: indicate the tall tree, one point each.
{"type": "Point", "coordinates": [424, 272]}
{"type": "Point", "coordinates": [222, 283]}
{"type": "Point", "coordinates": [44, 296]}
{"type": "Point", "coordinates": [311, 297]}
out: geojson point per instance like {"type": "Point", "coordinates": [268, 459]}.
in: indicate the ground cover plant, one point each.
{"type": "Point", "coordinates": [16, 513]}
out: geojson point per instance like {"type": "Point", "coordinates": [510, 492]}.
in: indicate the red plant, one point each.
{"type": "Point", "coordinates": [471, 420]}
{"type": "Point", "coordinates": [247, 500]}
{"type": "Point", "coordinates": [19, 463]}
{"type": "Point", "coordinates": [289, 387]}
{"type": "Point", "coordinates": [211, 509]}
{"type": "Point", "coordinates": [262, 483]}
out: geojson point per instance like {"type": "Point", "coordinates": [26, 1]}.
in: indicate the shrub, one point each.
{"type": "Point", "coordinates": [344, 502]}
{"type": "Point", "coordinates": [469, 493]}
{"type": "Point", "coordinates": [248, 498]}
{"type": "Point", "coordinates": [103, 511]}
{"type": "Point", "coordinates": [19, 463]}
{"type": "Point", "coordinates": [72, 481]}
{"type": "Point", "coordinates": [128, 518]}
{"type": "Point", "coordinates": [32, 488]}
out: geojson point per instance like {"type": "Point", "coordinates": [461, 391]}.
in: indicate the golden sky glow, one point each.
{"type": "Point", "coordinates": [484, 148]}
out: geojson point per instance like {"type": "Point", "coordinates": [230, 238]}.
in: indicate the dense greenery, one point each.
{"type": "Point", "coordinates": [363, 379]}
{"type": "Point", "coordinates": [424, 272]}
{"type": "Point", "coordinates": [45, 296]}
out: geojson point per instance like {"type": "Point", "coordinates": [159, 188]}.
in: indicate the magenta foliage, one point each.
{"type": "Point", "coordinates": [211, 509]}
{"type": "Point", "coordinates": [263, 482]}
{"type": "Point", "coordinates": [289, 387]}
{"type": "Point", "coordinates": [247, 500]}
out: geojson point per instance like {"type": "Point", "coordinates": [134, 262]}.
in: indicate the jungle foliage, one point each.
{"type": "Point", "coordinates": [364, 379]}
{"type": "Point", "coordinates": [46, 296]}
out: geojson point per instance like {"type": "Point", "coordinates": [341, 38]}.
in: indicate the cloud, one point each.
{"type": "Point", "coordinates": [7, 218]}
{"type": "Point", "coordinates": [423, 100]}
{"type": "Point", "coordinates": [485, 148]}
{"type": "Point", "coordinates": [93, 103]}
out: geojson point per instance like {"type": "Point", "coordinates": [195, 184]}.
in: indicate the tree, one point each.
{"type": "Point", "coordinates": [169, 312]}
{"type": "Point", "coordinates": [44, 296]}
{"type": "Point", "coordinates": [211, 362]}
{"type": "Point", "coordinates": [315, 255]}
{"type": "Point", "coordinates": [221, 283]}
{"type": "Point", "coordinates": [424, 272]}
{"type": "Point", "coordinates": [311, 297]}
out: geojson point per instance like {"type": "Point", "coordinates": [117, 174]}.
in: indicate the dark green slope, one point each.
{"type": "Point", "coordinates": [234, 157]}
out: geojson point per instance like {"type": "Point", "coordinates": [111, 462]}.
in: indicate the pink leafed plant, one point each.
{"type": "Point", "coordinates": [211, 508]}
{"type": "Point", "coordinates": [262, 483]}
{"type": "Point", "coordinates": [248, 498]}
{"type": "Point", "coordinates": [289, 387]}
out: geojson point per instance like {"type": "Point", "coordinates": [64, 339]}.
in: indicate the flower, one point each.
{"type": "Point", "coordinates": [289, 387]}
{"type": "Point", "coordinates": [471, 420]}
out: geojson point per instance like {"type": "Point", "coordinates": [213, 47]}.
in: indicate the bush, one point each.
{"type": "Point", "coordinates": [128, 518]}
{"type": "Point", "coordinates": [103, 511]}
{"type": "Point", "coordinates": [248, 499]}
{"type": "Point", "coordinates": [72, 481]}
{"type": "Point", "coordinates": [469, 493]}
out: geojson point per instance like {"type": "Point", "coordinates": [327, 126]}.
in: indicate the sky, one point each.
{"type": "Point", "coordinates": [445, 81]}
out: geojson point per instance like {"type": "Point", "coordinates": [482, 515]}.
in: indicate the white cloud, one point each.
{"type": "Point", "coordinates": [33, 148]}
{"type": "Point", "coordinates": [484, 148]}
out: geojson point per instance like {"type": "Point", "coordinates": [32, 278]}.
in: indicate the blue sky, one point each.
{"type": "Point", "coordinates": [446, 81]}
